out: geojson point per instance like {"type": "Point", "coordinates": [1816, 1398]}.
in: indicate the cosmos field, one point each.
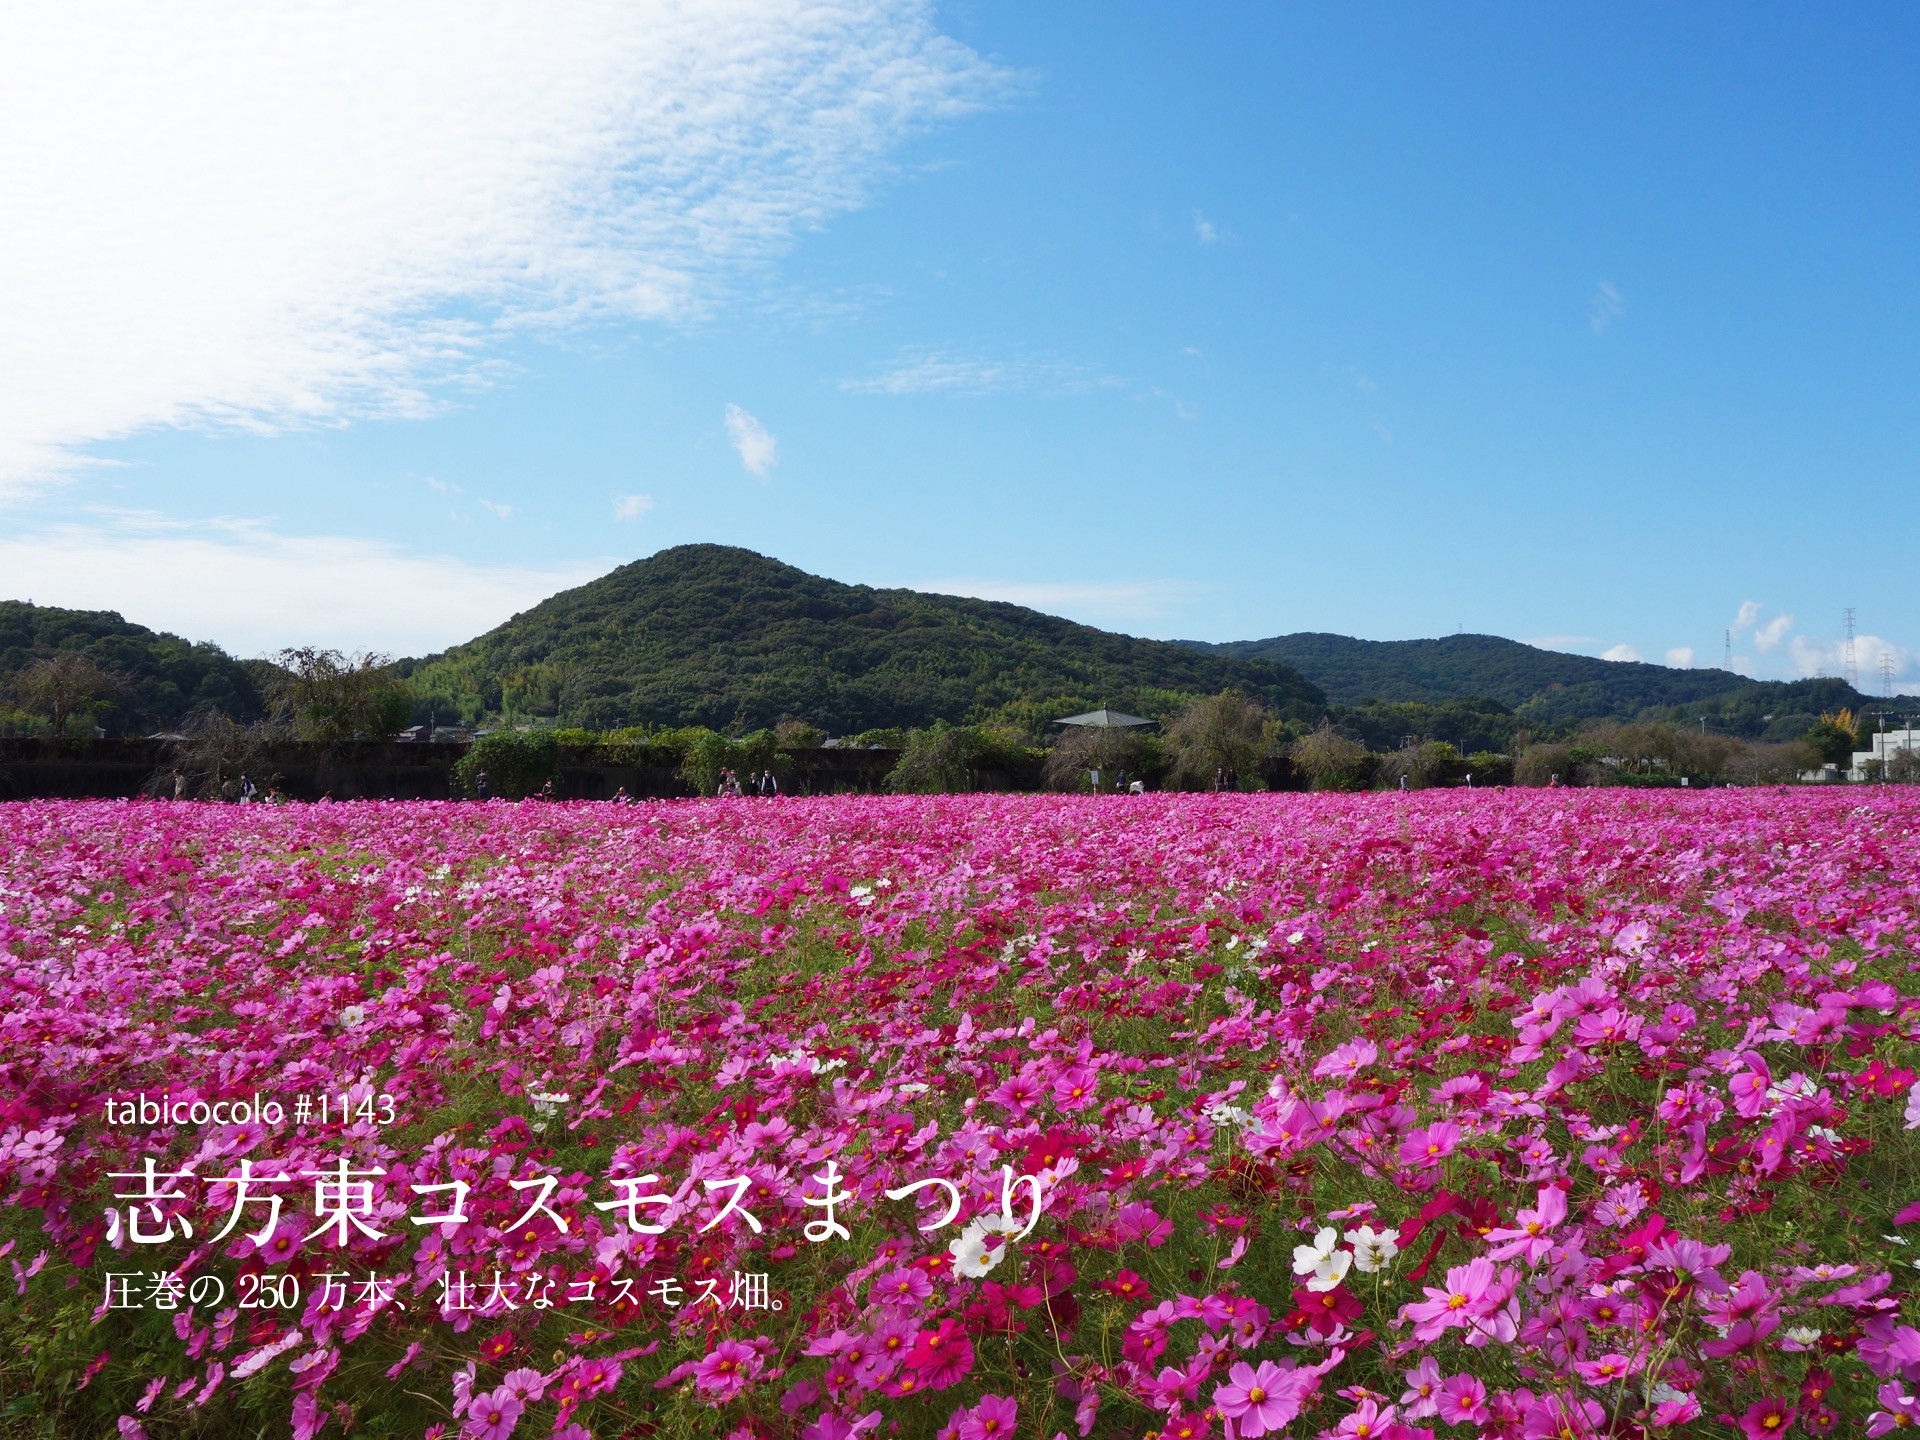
{"type": "Point", "coordinates": [1516, 1114]}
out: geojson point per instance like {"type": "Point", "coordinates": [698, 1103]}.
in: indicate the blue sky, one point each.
{"type": "Point", "coordinates": [1586, 325]}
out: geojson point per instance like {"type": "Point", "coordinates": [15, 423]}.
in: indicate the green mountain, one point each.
{"type": "Point", "coordinates": [166, 677]}
{"type": "Point", "coordinates": [1543, 690]}
{"type": "Point", "coordinates": [718, 636]}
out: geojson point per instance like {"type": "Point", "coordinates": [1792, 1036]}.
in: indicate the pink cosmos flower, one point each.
{"type": "Point", "coordinates": [1258, 1401]}
{"type": "Point", "coordinates": [493, 1416]}
{"type": "Point", "coordinates": [1347, 1060]}
{"type": "Point", "coordinates": [1076, 1088]}
{"type": "Point", "coordinates": [992, 1419]}
{"type": "Point", "coordinates": [1421, 1398]}
{"type": "Point", "coordinates": [1369, 1421]}
{"type": "Point", "coordinates": [1530, 1236]}
{"type": "Point", "coordinates": [1430, 1145]}
{"type": "Point", "coordinates": [1463, 1401]}
{"type": "Point", "coordinates": [1750, 1084]}
{"type": "Point", "coordinates": [1554, 1417]}
{"type": "Point", "coordinates": [1469, 1294]}
{"type": "Point", "coordinates": [724, 1372]}
{"type": "Point", "coordinates": [1898, 1410]}
{"type": "Point", "coordinates": [904, 1286]}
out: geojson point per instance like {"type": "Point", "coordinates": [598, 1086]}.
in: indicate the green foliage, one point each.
{"type": "Point", "coordinates": [949, 759]}
{"type": "Point", "coordinates": [1330, 760]}
{"type": "Point", "coordinates": [705, 753]}
{"type": "Point", "coordinates": [1830, 741]}
{"type": "Point", "coordinates": [1082, 749]}
{"type": "Point", "coordinates": [1423, 767]}
{"type": "Point", "coordinates": [1218, 736]}
{"type": "Point", "coordinates": [1471, 722]}
{"type": "Point", "coordinates": [166, 678]}
{"type": "Point", "coordinates": [1490, 768]}
{"type": "Point", "coordinates": [328, 697]}
{"type": "Point", "coordinates": [723, 638]}
{"type": "Point", "coordinates": [516, 763]}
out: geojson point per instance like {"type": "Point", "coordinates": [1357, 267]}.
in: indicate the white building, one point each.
{"type": "Point", "coordinates": [1886, 745]}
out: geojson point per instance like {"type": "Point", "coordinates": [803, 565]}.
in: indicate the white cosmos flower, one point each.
{"type": "Point", "coordinates": [1331, 1271]}
{"type": "Point", "coordinates": [1373, 1249]}
{"type": "Point", "coordinates": [982, 1245]}
{"type": "Point", "coordinates": [353, 1015]}
{"type": "Point", "coordinates": [1309, 1258]}
{"type": "Point", "coordinates": [1803, 1335]}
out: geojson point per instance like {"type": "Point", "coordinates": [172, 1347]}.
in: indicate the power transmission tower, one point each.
{"type": "Point", "coordinates": [1848, 657]}
{"type": "Point", "coordinates": [1886, 676]}
{"type": "Point", "coordinates": [1726, 660]}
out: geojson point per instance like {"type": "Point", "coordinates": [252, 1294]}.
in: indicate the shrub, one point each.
{"type": "Point", "coordinates": [517, 763]}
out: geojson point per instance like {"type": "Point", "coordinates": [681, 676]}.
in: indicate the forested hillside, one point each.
{"type": "Point", "coordinates": [162, 678]}
{"type": "Point", "coordinates": [712, 635]}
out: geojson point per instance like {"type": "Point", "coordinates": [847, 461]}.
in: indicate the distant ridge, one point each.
{"type": "Point", "coordinates": [1546, 689]}
{"type": "Point", "coordinates": [725, 637]}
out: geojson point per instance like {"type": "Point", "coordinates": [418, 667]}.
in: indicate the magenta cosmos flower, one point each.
{"type": "Point", "coordinates": [1767, 1418]}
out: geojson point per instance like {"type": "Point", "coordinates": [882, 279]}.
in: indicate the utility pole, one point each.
{"type": "Point", "coordinates": [1849, 659]}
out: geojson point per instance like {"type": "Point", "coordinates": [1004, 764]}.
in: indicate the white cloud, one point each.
{"type": "Point", "coordinates": [254, 590]}
{"type": "Point", "coordinates": [1744, 620]}
{"type": "Point", "coordinates": [1820, 657]}
{"type": "Point", "coordinates": [747, 435]}
{"type": "Point", "coordinates": [260, 216]}
{"type": "Point", "coordinates": [505, 512]}
{"type": "Point", "coordinates": [1769, 635]}
{"type": "Point", "coordinates": [1204, 230]}
{"type": "Point", "coordinates": [1681, 657]}
{"type": "Point", "coordinates": [1608, 305]}
{"type": "Point", "coordinates": [1090, 603]}
{"type": "Point", "coordinates": [631, 507]}
{"type": "Point", "coordinates": [1620, 652]}
{"type": "Point", "coordinates": [939, 372]}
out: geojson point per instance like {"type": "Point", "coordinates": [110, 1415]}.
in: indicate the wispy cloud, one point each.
{"type": "Point", "coordinates": [1620, 652]}
{"type": "Point", "coordinates": [1607, 306]}
{"type": "Point", "coordinates": [1769, 635]}
{"type": "Point", "coordinates": [299, 589]}
{"type": "Point", "coordinates": [504, 512]}
{"type": "Point", "coordinates": [1204, 230]}
{"type": "Point", "coordinates": [1748, 613]}
{"type": "Point", "coordinates": [631, 507]}
{"type": "Point", "coordinates": [223, 214]}
{"type": "Point", "coordinates": [942, 372]}
{"type": "Point", "coordinates": [758, 450]}
{"type": "Point", "coordinates": [1089, 602]}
